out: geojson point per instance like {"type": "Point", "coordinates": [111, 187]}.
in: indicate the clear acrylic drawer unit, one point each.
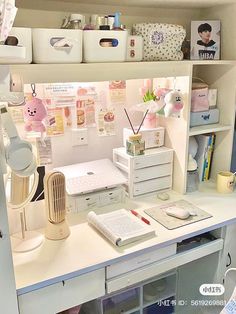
{"type": "Point", "coordinates": [146, 173]}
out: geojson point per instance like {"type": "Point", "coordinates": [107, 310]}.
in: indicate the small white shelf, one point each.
{"type": "Point", "coordinates": [202, 129]}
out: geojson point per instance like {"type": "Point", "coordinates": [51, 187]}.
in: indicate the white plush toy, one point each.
{"type": "Point", "coordinates": [173, 103]}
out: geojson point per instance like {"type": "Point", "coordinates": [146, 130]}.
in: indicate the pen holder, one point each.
{"type": "Point", "coordinates": [135, 145]}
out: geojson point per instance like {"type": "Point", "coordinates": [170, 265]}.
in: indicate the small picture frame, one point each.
{"type": "Point", "coordinates": [205, 40]}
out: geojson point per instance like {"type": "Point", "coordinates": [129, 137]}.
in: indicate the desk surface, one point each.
{"type": "Point", "coordinates": [86, 250]}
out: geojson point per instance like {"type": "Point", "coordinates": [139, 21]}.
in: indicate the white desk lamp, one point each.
{"type": "Point", "coordinates": [19, 157]}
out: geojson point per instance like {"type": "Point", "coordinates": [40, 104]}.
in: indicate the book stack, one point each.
{"type": "Point", "coordinates": [204, 154]}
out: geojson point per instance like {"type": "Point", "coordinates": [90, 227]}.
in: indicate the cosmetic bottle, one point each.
{"type": "Point", "coordinates": [135, 145]}
{"type": "Point", "coordinates": [92, 23]}
{"type": "Point", "coordinates": [75, 21]}
{"type": "Point", "coordinates": [117, 25]}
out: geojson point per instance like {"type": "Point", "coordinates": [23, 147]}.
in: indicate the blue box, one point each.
{"type": "Point", "coordinates": [204, 117]}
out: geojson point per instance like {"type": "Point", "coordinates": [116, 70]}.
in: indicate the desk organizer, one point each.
{"type": "Point", "coordinates": [22, 53]}
{"type": "Point", "coordinates": [204, 117]}
{"type": "Point", "coordinates": [146, 173]}
{"type": "Point", "coordinates": [57, 45]}
{"type": "Point", "coordinates": [104, 46]}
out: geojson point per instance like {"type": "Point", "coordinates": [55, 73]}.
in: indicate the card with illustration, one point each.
{"type": "Point", "coordinates": [106, 122]}
{"type": "Point", "coordinates": [205, 40]}
{"type": "Point", "coordinates": [55, 122]}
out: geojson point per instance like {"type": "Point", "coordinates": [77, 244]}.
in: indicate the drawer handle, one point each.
{"type": "Point", "coordinates": [63, 283]}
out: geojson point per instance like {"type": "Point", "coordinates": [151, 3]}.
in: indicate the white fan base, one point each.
{"type": "Point", "coordinates": [57, 231]}
{"type": "Point", "coordinates": [31, 241]}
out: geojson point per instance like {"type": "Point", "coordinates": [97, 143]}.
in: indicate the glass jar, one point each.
{"type": "Point", "coordinates": [192, 180]}
{"type": "Point", "coordinates": [135, 145]}
{"type": "Point", "coordinates": [75, 21]}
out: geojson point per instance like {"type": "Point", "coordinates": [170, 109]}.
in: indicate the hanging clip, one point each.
{"type": "Point", "coordinates": [33, 90]}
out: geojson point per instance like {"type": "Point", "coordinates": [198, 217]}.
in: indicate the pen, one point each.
{"type": "Point", "coordinates": [140, 217]}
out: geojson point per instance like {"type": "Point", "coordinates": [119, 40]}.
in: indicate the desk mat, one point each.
{"type": "Point", "coordinates": [158, 213]}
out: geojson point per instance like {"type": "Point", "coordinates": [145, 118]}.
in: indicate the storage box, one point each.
{"type": "Point", "coordinates": [57, 45]}
{"type": "Point", "coordinates": [134, 48]}
{"type": "Point", "coordinates": [161, 41]}
{"type": "Point", "coordinates": [22, 53]}
{"type": "Point", "coordinates": [152, 137]}
{"type": "Point", "coordinates": [104, 46]}
{"type": "Point", "coordinates": [199, 97]}
{"type": "Point", "coordinates": [204, 117]}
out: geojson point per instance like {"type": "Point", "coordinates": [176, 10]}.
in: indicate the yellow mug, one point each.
{"type": "Point", "coordinates": [225, 182]}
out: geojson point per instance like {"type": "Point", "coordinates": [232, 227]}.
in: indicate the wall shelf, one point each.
{"type": "Point", "coordinates": [87, 72]}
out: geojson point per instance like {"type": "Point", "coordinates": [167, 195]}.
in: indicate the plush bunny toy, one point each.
{"type": "Point", "coordinates": [173, 103]}
{"type": "Point", "coordinates": [34, 114]}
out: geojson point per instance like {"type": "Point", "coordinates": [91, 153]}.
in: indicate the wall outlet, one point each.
{"type": "Point", "coordinates": [79, 137]}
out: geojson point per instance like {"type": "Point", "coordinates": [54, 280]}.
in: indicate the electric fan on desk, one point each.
{"type": "Point", "coordinates": [57, 227]}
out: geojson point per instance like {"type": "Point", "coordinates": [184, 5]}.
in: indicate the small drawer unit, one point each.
{"type": "Point", "coordinates": [89, 201]}
{"type": "Point", "coordinates": [104, 46]}
{"type": "Point", "coordinates": [146, 173]}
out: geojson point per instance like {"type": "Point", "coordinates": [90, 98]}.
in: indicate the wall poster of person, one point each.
{"type": "Point", "coordinates": [205, 40]}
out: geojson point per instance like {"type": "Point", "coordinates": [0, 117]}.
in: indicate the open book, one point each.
{"type": "Point", "coordinates": [120, 227]}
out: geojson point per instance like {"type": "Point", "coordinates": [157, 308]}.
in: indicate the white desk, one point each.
{"type": "Point", "coordinates": [85, 251]}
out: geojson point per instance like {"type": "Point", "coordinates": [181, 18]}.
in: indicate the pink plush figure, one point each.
{"type": "Point", "coordinates": [173, 103]}
{"type": "Point", "coordinates": [34, 114]}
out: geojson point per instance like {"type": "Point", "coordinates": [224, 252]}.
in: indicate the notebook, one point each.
{"type": "Point", "coordinates": [120, 227]}
{"type": "Point", "coordinates": [91, 176]}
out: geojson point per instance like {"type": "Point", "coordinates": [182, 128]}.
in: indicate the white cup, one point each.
{"type": "Point", "coordinates": [225, 182]}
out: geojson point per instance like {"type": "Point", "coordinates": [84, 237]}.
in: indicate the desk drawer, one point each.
{"type": "Point", "coordinates": [157, 268]}
{"type": "Point", "coordinates": [140, 261]}
{"type": "Point", "coordinates": [163, 157]}
{"type": "Point", "coordinates": [63, 295]}
{"type": "Point", "coordinates": [152, 172]}
{"type": "Point", "coordinates": [152, 185]}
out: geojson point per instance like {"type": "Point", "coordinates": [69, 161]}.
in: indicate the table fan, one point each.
{"type": "Point", "coordinates": [57, 227]}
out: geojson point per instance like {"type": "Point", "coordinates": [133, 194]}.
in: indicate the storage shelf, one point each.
{"type": "Point", "coordinates": [87, 72]}
{"type": "Point", "coordinates": [171, 293]}
{"type": "Point", "coordinates": [202, 129]}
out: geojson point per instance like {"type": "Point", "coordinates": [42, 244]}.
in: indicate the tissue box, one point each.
{"type": "Point", "coordinates": [57, 45]}
{"type": "Point", "coordinates": [22, 53]}
{"type": "Point", "coordinates": [199, 97]}
{"type": "Point", "coordinates": [204, 117]}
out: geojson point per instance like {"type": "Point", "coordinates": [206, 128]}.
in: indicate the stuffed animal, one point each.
{"type": "Point", "coordinates": [173, 103]}
{"type": "Point", "coordinates": [34, 114]}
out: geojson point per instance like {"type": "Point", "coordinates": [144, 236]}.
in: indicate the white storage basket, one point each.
{"type": "Point", "coordinates": [57, 45]}
{"type": "Point", "coordinates": [104, 46]}
{"type": "Point", "coordinates": [161, 41]}
{"type": "Point", "coordinates": [22, 53]}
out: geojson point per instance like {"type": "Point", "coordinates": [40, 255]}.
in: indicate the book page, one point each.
{"type": "Point", "coordinates": [120, 226]}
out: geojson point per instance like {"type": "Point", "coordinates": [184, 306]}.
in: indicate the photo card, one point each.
{"type": "Point", "coordinates": [205, 40]}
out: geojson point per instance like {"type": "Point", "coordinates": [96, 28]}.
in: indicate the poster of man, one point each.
{"type": "Point", "coordinates": [205, 40]}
